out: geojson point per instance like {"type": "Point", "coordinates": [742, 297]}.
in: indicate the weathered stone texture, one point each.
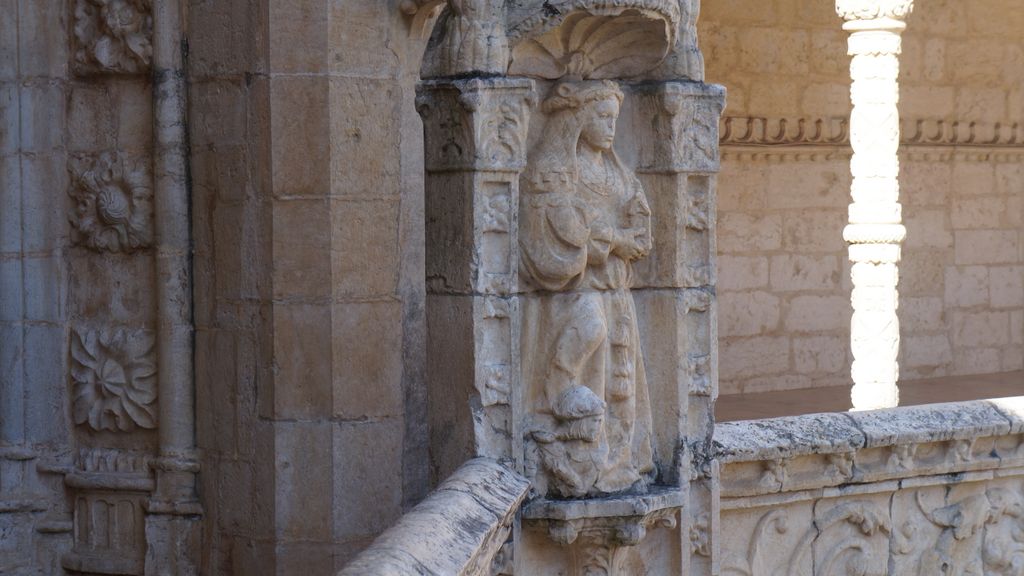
{"type": "Point", "coordinates": [307, 172]}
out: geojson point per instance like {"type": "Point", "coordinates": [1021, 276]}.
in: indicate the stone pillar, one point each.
{"type": "Point", "coordinates": [475, 141]}
{"type": "Point", "coordinates": [875, 230]}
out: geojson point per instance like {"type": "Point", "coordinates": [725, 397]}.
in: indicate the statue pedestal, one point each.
{"type": "Point", "coordinates": [600, 532]}
{"type": "Point", "coordinates": [622, 518]}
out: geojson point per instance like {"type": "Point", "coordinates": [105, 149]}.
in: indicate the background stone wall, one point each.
{"type": "Point", "coordinates": [784, 286]}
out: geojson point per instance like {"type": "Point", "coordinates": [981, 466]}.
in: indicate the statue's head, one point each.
{"type": "Point", "coordinates": [595, 103]}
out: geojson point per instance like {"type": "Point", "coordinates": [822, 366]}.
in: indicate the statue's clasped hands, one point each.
{"type": "Point", "coordinates": [632, 243]}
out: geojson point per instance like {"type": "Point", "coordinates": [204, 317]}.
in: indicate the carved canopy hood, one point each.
{"type": "Point", "coordinates": [546, 39]}
{"type": "Point", "coordinates": [592, 39]}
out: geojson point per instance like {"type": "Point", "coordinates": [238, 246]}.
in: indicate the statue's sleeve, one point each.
{"type": "Point", "coordinates": [553, 240]}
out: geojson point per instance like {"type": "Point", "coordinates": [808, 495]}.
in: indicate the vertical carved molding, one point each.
{"type": "Point", "coordinates": [875, 229]}
{"type": "Point", "coordinates": [172, 521]}
{"type": "Point", "coordinates": [678, 160]}
{"type": "Point", "coordinates": [475, 140]}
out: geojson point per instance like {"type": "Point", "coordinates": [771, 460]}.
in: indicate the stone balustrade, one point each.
{"type": "Point", "coordinates": [459, 529]}
{"type": "Point", "coordinates": [935, 489]}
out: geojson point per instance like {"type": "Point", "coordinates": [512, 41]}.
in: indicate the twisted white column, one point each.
{"type": "Point", "coordinates": [875, 231]}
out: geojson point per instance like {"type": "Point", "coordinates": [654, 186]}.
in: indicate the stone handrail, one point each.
{"type": "Point", "coordinates": [936, 489]}
{"type": "Point", "coordinates": [458, 530]}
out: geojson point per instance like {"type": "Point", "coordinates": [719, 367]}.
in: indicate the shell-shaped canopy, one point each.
{"type": "Point", "coordinates": [596, 44]}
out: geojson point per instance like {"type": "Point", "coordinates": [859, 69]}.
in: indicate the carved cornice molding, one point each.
{"type": "Point", "coordinates": [817, 132]}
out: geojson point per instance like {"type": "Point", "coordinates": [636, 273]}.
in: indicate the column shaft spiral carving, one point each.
{"type": "Point", "coordinates": [875, 229]}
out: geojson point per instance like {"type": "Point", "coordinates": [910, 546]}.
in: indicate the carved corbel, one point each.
{"type": "Point", "coordinates": [600, 532]}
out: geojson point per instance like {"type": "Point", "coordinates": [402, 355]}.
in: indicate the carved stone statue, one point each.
{"type": "Point", "coordinates": [584, 220]}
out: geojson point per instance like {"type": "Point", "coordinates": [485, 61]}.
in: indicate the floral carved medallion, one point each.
{"type": "Point", "coordinates": [113, 36]}
{"type": "Point", "coordinates": [114, 203]}
{"type": "Point", "coordinates": [113, 373]}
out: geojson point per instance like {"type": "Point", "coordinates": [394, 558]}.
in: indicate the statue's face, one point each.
{"type": "Point", "coordinates": [599, 129]}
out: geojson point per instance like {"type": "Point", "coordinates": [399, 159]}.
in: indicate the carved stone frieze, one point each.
{"type": "Point", "coordinates": [739, 131]}
{"type": "Point", "coordinates": [113, 202]}
{"type": "Point", "coordinates": [113, 375]}
{"type": "Point", "coordinates": [113, 36]}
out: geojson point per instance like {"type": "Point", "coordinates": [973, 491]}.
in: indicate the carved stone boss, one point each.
{"type": "Point", "coordinates": [875, 231]}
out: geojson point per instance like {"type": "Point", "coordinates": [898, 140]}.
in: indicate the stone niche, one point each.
{"type": "Point", "coordinates": [570, 162]}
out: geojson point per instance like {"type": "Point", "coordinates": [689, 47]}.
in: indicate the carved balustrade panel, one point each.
{"type": "Point", "coordinates": [921, 491]}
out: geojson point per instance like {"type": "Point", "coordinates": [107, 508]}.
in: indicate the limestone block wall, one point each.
{"type": "Point", "coordinates": [307, 172]}
{"type": "Point", "coordinates": [784, 190]}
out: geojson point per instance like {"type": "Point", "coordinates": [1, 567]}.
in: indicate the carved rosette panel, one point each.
{"type": "Point", "coordinates": [113, 375]}
{"type": "Point", "coordinates": [113, 202]}
{"type": "Point", "coordinates": [113, 36]}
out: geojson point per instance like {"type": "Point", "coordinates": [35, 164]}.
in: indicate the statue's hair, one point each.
{"type": "Point", "coordinates": [572, 94]}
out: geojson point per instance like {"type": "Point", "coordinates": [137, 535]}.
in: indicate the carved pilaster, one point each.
{"type": "Point", "coordinates": [678, 160]}
{"type": "Point", "coordinates": [475, 140]}
{"type": "Point", "coordinates": [875, 229]}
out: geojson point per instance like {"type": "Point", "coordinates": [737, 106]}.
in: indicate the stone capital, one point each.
{"type": "Point", "coordinates": [476, 124]}
{"type": "Point", "coordinates": [859, 10]}
{"type": "Point", "coordinates": [684, 119]}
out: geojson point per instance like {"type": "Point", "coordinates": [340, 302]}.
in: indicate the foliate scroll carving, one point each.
{"type": "Point", "coordinates": [849, 539]}
{"type": "Point", "coordinates": [476, 124]}
{"type": "Point", "coordinates": [113, 36]}
{"type": "Point", "coordinates": [686, 130]}
{"type": "Point", "coordinates": [700, 535]}
{"type": "Point", "coordinates": [584, 221]}
{"type": "Point", "coordinates": [113, 373]}
{"type": "Point", "coordinates": [114, 202]}
{"type": "Point", "coordinates": [981, 533]}
{"type": "Point", "coordinates": [874, 9]}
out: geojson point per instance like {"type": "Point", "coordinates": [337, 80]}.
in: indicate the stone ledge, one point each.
{"type": "Point", "coordinates": [620, 520]}
{"type": "Point", "coordinates": [657, 498]}
{"type": "Point", "coordinates": [821, 451]}
{"type": "Point", "coordinates": [457, 530]}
